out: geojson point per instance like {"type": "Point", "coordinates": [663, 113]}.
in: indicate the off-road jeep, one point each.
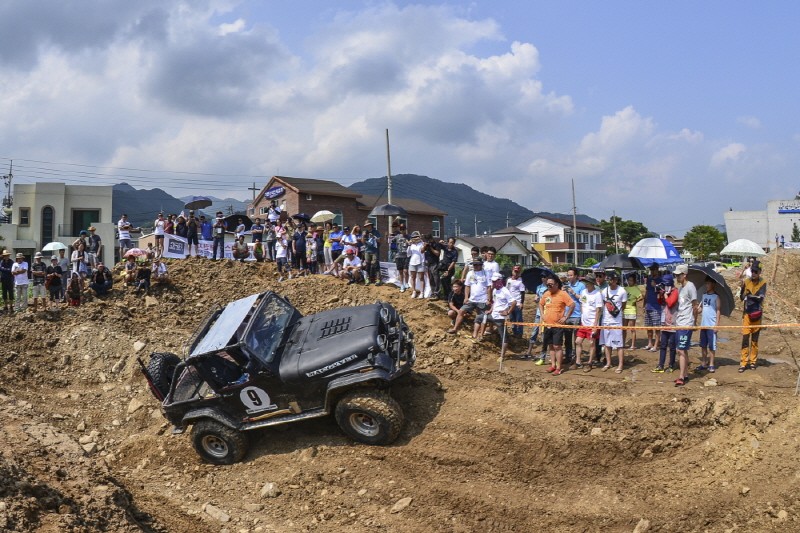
{"type": "Point", "coordinates": [258, 362]}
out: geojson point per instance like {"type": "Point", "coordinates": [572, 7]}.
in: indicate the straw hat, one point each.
{"type": "Point", "coordinates": [5, 253]}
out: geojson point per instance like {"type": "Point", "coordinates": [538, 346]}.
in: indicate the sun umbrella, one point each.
{"type": "Point", "coordinates": [743, 247]}
{"type": "Point", "coordinates": [697, 275]}
{"type": "Point", "coordinates": [232, 221]}
{"type": "Point", "coordinates": [198, 202]}
{"type": "Point", "coordinates": [653, 250]}
{"type": "Point", "coordinates": [136, 252]}
{"type": "Point", "coordinates": [532, 277]}
{"type": "Point", "coordinates": [323, 216]}
{"type": "Point", "coordinates": [54, 246]}
{"type": "Point", "coordinates": [620, 262]}
{"type": "Point", "coordinates": [302, 216]}
{"type": "Point", "coordinates": [388, 210]}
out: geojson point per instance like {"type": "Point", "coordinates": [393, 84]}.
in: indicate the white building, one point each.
{"type": "Point", "coordinates": [509, 246]}
{"type": "Point", "coordinates": [553, 239]}
{"type": "Point", "coordinates": [48, 212]}
{"type": "Point", "coordinates": [762, 226]}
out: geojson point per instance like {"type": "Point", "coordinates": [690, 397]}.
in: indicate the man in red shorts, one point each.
{"type": "Point", "coordinates": [591, 311]}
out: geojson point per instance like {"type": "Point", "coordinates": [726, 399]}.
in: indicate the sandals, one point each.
{"type": "Point", "coordinates": [742, 369]}
{"type": "Point", "coordinates": [587, 367]}
{"type": "Point", "coordinates": [679, 382]}
{"type": "Point", "coordinates": [606, 367]}
{"type": "Point", "coordinates": [752, 366]}
{"type": "Point", "coordinates": [551, 369]}
{"type": "Point", "coordinates": [618, 371]}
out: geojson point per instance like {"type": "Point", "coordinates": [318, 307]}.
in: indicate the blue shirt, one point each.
{"type": "Point", "coordinates": [205, 230]}
{"type": "Point", "coordinates": [371, 242]}
{"type": "Point", "coordinates": [336, 246]}
{"type": "Point", "coordinates": [539, 292]}
{"type": "Point", "coordinates": [650, 295]}
{"type": "Point", "coordinates": [577, 289]}
{"type": "Point", "coordinates": [709, 316]}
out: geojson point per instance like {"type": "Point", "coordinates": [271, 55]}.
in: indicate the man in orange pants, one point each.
{"type": "Point", "coordinates": [753, 291]}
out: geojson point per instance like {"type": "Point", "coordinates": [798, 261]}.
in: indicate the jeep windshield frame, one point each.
{"type": "Point", "coordinates": [268, 327]}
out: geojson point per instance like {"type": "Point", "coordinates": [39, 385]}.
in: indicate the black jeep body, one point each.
{"type": "Point", "coordinates": [258, 362]}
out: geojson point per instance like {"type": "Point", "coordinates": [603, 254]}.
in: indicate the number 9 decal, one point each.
{"type": "Point", "coordinates": [255, 399]}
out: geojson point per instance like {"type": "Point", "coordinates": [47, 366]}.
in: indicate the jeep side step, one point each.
{"type": "Point", "coordinates": [316, 413]}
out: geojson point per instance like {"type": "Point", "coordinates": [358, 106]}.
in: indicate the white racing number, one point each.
{"type": "Point", "coordinates": [255, 399]}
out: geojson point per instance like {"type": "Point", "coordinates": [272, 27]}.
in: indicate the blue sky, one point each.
{"type": "Point", "coordinates": [668, 113]}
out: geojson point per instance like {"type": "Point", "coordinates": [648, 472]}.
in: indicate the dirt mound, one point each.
{"type": "Point", "coordinates": [86, 448]}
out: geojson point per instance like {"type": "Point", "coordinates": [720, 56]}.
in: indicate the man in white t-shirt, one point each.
{"type": "Point", "coordinates": [614, 298]}
{"type": "Point", "coordinates": [490, 265]}
{"type": "Point", "coordinates": [478, 297]}
{"type": "Point", "coordinates": [351, 267]}
{"type": "Point", "coordinates": [591, 302]}
{"type": "Point", "coordinates": [685, 318]}
{"type": "Point", "coordinates": [503, 304]}
{"type": "Point", "coordinates": [416, 265]}
{"type": "Point", "coordinates": [124, 228]}
{"type": "Point", "coordinates": [516, 287]}
{"type": "Point", "coordinates": [20, 273]}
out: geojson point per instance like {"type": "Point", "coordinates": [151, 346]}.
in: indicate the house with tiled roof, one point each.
{"type": "Point", "coordinates": [553, 238]}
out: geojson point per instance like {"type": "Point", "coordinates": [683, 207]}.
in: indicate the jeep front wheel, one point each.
{"type": "Point", "coordinates": [370, 416]}
{"type": "Point", "coordinates": [218, 444]}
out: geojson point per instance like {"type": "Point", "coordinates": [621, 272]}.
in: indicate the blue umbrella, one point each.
{"type": "Point", "coordinates": [655, 251]}
{"type": "Point", "coordinates": [198, 202]}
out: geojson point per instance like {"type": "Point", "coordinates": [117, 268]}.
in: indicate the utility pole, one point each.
{"type": "Point", "coordinates": [255, 190]}
{"type": "Point", "coordinates": [508, 219]}
{"type": "Point", "coordinates": [616, 238]}
{"type": "Point", "coordinates": [574, 227]}
{"type": "Point", "coordinates": [476, 225]}
{"type": "Point", "coordinates": [8, 201]}
{"type": "Point", "coordinates": [388, 181]}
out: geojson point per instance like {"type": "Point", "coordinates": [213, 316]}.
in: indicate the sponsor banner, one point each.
{"type": "Point", "coordinates": [175, 247]}
{"type": "Point", "coordinates": [389, 275]}
{"type": "Point", "coordinates": [792, 245]}
{"type": "Point", "coordinates": [206, 249]}
{"type": "Point", "coordinates": [274, 192]}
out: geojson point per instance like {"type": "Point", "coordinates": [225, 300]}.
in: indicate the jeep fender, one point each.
{"type": "Point", "coordinates": [377, 378]}
{"type": "Point", "coordinates": [214, 414]}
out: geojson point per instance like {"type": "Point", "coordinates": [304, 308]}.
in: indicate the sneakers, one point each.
{"type": "Point", "coordinates": [378, 283]}
{"type": "Point", "coordinates": [552, 369]}
{"type": "Point", "coordinates": [539, 361]}
{"type": "Point", "coordinates": [366, 282]}
{"type": "Point", "coordinates": [658, 370]}
{"type": "Point", "coordinates": [414, 294]}
{"type": "Point", "coordinates": [557, 372]}
{"type": "Point", "coordinates": [700, 368]}
{"type": "Point", "coordinates": [402, 288]}
{"type": "Point", "coordinates": [669, 370]}
{"type": "Point", "coordinates": [712, 368]}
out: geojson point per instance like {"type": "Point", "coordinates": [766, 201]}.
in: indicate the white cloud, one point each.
{"type": "Point", "coordinates": [750, 121]}
{"type": "Point", "coordinates": [728, 153]}
{"type": "Point", "coordinates": [233, 27]}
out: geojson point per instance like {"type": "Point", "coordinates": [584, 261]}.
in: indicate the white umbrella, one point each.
{"type": "Point", "coordinates": [54, 246]}
{"type": "Point", "coordinates": [660, 250]}
{"type": "Point", "coordinates": [744, 248]}
{"type": "Point", "coordinates": [323, 216]}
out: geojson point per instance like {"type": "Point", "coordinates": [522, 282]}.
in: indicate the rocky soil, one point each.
{"type": "Point", "coordinates": [84, 446]}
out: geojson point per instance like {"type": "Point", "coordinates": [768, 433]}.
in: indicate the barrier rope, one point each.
{"type": "Point", "coordinates": [666, 328]}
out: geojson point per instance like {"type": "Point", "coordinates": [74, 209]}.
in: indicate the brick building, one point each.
{"type": "Point", "coordinates": [300, 195]}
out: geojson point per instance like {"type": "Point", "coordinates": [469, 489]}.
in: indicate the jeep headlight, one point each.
{"type": "Point", "coordinates": [382, 342]}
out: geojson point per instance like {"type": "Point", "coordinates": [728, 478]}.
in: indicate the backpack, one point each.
{"type": "Point", "coordinates": [612, 308]}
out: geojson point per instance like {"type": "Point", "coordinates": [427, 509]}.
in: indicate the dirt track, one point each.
{"type": "Point", "coordinates": [84, 447]}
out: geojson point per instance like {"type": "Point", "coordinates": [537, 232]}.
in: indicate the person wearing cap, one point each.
{"type": "Point", "coordinates": [614, 298]}
{"type": "Point", "coordinates": [629, 312]}
{"type": "Point", "coordinates": [652, 309]}
{"type": "Point", "coordinates": [752, 292]}
{"type": "Point", "coordinates": [591, 302]}
{"type": "Point", "coordinates": [555, 306]}
{"type": "Point", "coordinates": [282, 264]}
{"type": "Point", "coordinates": [299, 250]}
{"type": "Point", "coordinates": [370, 239]}
{"type": "Point", "coordinates": [503, 304]}
{"type": "Point", "coordinates": [516, 287]}
{"type": "Point", "coordinates": [686, 317]}
{"type": "Point", "coordinates": [351, 267]}
{"type": "Point", "coordinates": [20, 272]}
{"type": "Point", "coordinates": [94, 247]}
{"type": "Point", "coordinates": [477, 293]}
{"type": "Point", "coordinates": [54, 281]}
{"type": "Point", "coordinates": [401, 258]}
{"type": "Point", "coordinates": [39, 277]}
{"type": "Point", "coordinates": [417, 273]}
{"type": "Point", "coordinates": [101, 280]}
{"type": "Point", "coordinates": [158, 231]}
{"type": "Point", "coordinates": [668, 298]}
{"type": "Point", "coordinates": [474, 253]}
{"type": "Point", "coordinates": [709, 318]}
{"type": "Point", "coordinates": [206, 229]}
{"type": "Point", "coordinates": [7, 281]}
{"type": "Point", "coordinates": [335, 237]}
{"type": "Point", "coordinates": [219, 227]}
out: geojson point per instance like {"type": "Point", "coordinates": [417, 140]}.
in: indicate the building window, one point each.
{"type": "Point", "coordinates": [24, 216]}
{"type": "Point", "coordinates": [534, 237]}
{"type": "Point", "coordinates": [374, 221]}
{"type": "Point", "coordinates": [308, 197]}
{"type": "Point", "coordinates": [263, 210]}
{"type": "Point", "coordinates": [48, 224]}
{"type": "Point", "coordinates": [525, 244]}
{"type": "Point", "coordinates": [338, 219]}
{"type": "Point", "coordinates": [436, 228]}
{"type": "Point", "coordinates": [82, 219]}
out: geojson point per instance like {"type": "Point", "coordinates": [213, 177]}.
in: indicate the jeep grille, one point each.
{"type": "Point", "coordinates": [334, 327]}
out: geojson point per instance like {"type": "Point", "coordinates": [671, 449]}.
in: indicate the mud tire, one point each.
{"type": "Point", "coordinates": [370, 416]}
{"type": "Point", "coordinates": [218, 444]}
{"type": "Point", "coordinates": [162, 369]}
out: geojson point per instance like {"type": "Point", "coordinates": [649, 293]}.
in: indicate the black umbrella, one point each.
{"type": "Point", "coordinates": [532, 277]}
{"type": "Point", "coordinates": [620, 262]}
{"type": "Point", "coordinates": [198, 202]}
{"type": "Point", "coordinates": [233, 220]}
{"type": "Point", "coordinates": [390, 210]}
{"type": "Point", "coordinates": [697, 275]}
{"type": "Point", "coordinates": [302, 216]}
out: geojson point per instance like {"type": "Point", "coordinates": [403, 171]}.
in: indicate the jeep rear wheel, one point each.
{"type": "Point", "coordinates": [370, 416]}
{"type": "Point", "coordinates": [218, 444]}
{"type": "Point", "coordinates": [162, 369]}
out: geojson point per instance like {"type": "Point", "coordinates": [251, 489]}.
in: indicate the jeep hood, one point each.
{"type": "Point", "coordinates": [327, 343]}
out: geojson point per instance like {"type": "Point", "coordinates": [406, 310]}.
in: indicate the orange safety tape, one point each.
{"type": "Point", "coordinates": [668, 328]}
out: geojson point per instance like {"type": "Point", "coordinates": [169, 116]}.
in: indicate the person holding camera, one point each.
{"type": "Point", "coordinates": [447, 266]}
{"type": "Point", "coordinates": [752, 292]}
{"type": "Point", "coordinates": [433, 250]}
{"type": "Point", "coordinates": [102, 280]}
{"type": "Point", "coordinates": [219, 227]}
{"type": "Point", "coordinates": [370, 239]}
{"type": "Point", "coordinates": [614, 298]}
{"type": "Point", "coordinates": [652, 309]}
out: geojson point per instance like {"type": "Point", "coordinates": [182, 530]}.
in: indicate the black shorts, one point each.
{"type": "Point", "coordinates": [553, 336]}
{"type": "Point", "coordinates": [192, 239]}
{"type": "Point", "coordinates": [401, 263]}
